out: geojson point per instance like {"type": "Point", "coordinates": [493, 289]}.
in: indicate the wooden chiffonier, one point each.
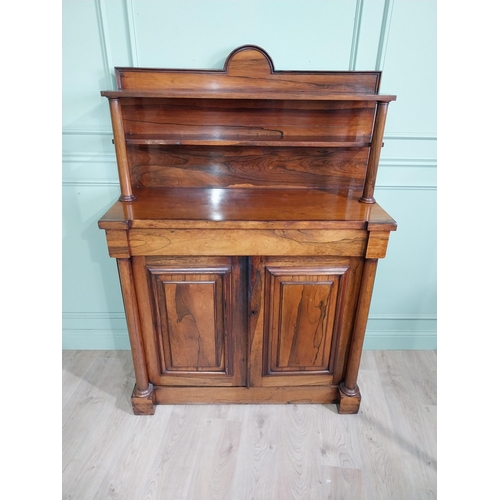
{"type": "Point", "coordinates": [247, 235]}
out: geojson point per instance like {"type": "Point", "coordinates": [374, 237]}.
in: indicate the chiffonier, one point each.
{"type": "Point", "coordinates": [247, 235]}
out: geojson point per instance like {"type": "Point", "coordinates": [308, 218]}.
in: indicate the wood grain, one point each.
{"type": "Point", "coordinates": [381, 461]}
{"type": "Point", "coordinates": [171, 471]}
{"type": "Point", "coordinates": [245, 256]}
{"type": "Point", "coordinates": [408, 417]}
{"type": "Point", "coordinates": [236, 167]}
{"type": "Point", "coordinates": [422, 369]}
{"type": "Point", "coordinates": [298, 437]}
{"type": "Point", "coordinates": [193, 320]}
{"type": "Point", "coordinates": [117, 242]}
{"type": "Point", "coordinates": [304, 332]}
{"type": "Point", "coordinates": [251, 242]}
{"type": "Point", "coordinates": [236, 75]}
{"type": "Point", "coordinates": [246, 104]}
{"type": "Point", "coordinates": [192, 316]}
{"type": "Point", "coordinates": [120, 477]}
{"type": "Point", "coordinates": [377, 244]}
{"type": "Point", "coordinates": [249, 120]}
{"type": "Point", "coordinates": [278, 95]}
{"type": "Point", "coordinates": [218, 451]}
{"type": "Point", "coordinates": [256, 475]}
{"type": "Point", "coordinates": [373, 160]}
{"type": "Point", "coordinates": [91, 393]}
{"type": "Point", "coordinates": [269, 277]}
{"type": "Point", "coordinates": [120, 149]}
{"type": "Point", "coordinates": [133, 323]}
{"type": "Point", "coordinates": [249, 140]}
{"type": "Point", "coordinates": [209, 208]}
{"type": "Point", "coordinates": [77, 365]}
{"type": "Point", "coordinates": [346, 483]}
{"type": "Point", "coordinates": [302, 394]}
{"type": "Point", "coordinates": [359, 328]}
{"type": "Point", "coordinates": [301, 317]}
{"type": "Point", "coordinates": [337, 443]}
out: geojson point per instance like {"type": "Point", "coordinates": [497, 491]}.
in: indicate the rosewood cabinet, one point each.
{"type": "Point", "coordinates": [247, 234]}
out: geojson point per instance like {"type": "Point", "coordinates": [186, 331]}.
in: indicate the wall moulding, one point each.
{"type": "Point", "coordinates": [97, 330]}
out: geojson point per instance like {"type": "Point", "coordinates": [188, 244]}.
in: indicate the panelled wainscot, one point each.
{"type": "Point", "coordinates": [247, 235]}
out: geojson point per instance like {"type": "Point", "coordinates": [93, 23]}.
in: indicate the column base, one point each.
{"type": "Point", "coordinates": [350, 399]}
{"type": "Point", "coordinates": [142, 401]}
{"type": "Point", "coordinates": [367, 200]}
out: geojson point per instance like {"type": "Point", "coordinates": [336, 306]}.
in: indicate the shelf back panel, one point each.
{"type": "Point", "coordinates": [248, 119]}
{"type": "Point", "coordinates": [248, 68]}
{"type": "Point", "coordinates": [249, 167]}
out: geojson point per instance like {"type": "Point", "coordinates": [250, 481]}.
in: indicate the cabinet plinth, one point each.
{"type": "Point", "coordinates": [247, 234]}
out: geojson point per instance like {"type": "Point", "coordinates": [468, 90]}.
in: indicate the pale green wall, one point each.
{"type": "Point", "coordinates": [396, 36]}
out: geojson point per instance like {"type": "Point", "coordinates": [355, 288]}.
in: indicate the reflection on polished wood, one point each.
{"type": "Point", "coordinates": [170, 207]}
{"type": "Point", "coordinates": [340, 169]}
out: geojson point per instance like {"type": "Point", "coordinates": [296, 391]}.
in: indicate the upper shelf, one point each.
{"type": "Point", "coordinates": [204, 140]}
{"type": "Point", "coordinates": [288, 128]}
{"type": "Point", "coordinates": [317, 95]}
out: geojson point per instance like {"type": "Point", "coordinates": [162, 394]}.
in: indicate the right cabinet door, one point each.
{"type": "Point", "coordinates": [301, 316]}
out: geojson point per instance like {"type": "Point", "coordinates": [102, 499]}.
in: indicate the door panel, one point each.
{"type": "Point", "coordinates": [301, 310]}
{"type": "Point", "coordinates": [193, 322]}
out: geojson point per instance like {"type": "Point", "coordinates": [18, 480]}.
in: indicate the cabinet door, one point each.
{"type": "Point", "coordinates": [193, 319]}
{"type": "Point", "coordinates": [301, 313]}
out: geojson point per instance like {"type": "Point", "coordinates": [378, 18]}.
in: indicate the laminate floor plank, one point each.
{"type": "Point", "coordinates": [225, 412]}
{"type": "Point", "coordinates": [133, 469]}
{"type": "Point", "coordinates": [258, 462]}
{"type": "Point", "coordinates": [92, 465]}
{"type": "Point", "coordinates": [76, 364]}
{"type": "Point", "coordinates": [215, 464]}
{"type": "Point", "coordinates": [427, 435]}
{"type": "Point", "coordinates": [422, 369]}
{"type": "Point", "coordinates": [90, 406]}
{"type": "Point", "coordinates": [67, 357]}
{"type": "Point", "coordinates": [337, 443]}
{"type": "Point", "coordinates": [368, 361]}
{"type": "Point", "coordinates": [340, 483]}
{"type": "Point", "coordinates": [409, 423]}
{"type": "Point", "coordinates": [171, 472]}
{"type": "Point", "coordinates": [255, 452]}
{"type": "Point", "coordinates": [383, 471]}
{"type": "Point", "coordinates": [299, 452]}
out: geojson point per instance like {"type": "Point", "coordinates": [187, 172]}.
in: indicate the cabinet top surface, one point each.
{"type": "Point", "coordinates": [246, 208]}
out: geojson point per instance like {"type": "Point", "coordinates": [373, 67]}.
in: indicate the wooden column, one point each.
{"type": "Point", "coordinates": [121, 150]}
{"type": "Point", "coordinates": [350, 396]}
{"type": "Point", "coordinates": [142, 395]}
{"type": "Point", "coordinates": [373, 159]}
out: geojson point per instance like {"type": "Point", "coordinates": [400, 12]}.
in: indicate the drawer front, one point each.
{"type": "Point", "coordinates": [247, 242]}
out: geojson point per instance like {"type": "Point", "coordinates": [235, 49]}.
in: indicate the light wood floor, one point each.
{"type": "Point", "coordinates": [261, 452]}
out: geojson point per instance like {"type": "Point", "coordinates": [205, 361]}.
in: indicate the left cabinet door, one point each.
{"type": "Point", "coordinates": [193, 319]}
